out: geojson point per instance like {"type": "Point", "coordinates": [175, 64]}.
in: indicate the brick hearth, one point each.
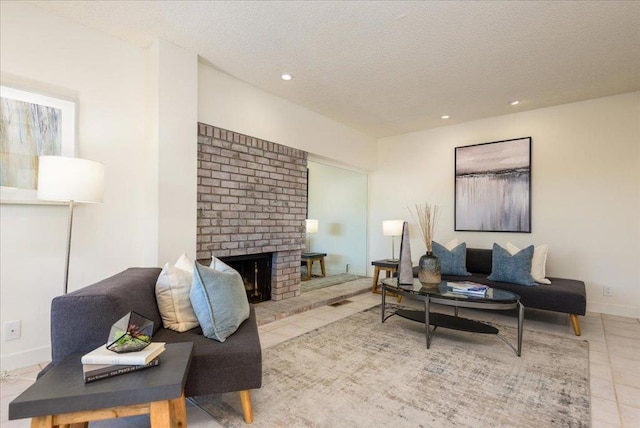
{"type": "Point", "coordinates": [252, 198]}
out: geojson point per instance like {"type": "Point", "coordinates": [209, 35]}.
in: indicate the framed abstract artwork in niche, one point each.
{"type": "Point", "coordinates": [493, 186]}
{"type": "Point", "coordinates": [32, 124]}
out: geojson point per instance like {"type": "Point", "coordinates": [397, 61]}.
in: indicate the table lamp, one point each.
{"type": "Point", "coordinates": [311, 227]}
{"type": "Point", "coordinates": [392, 228]}
{"type": "Point", "coordinates": [70, 180]}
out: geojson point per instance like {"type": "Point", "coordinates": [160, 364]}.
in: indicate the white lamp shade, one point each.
{"type": "Point", "coordinates": [312, 225]}
{"type": "Point", "coordinates": [70, 179]}
{"type": "Point", "coordinates": [392, 227]}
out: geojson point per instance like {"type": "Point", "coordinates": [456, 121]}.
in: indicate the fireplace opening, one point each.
{"type": "Point", "coordinates": [255, 270]}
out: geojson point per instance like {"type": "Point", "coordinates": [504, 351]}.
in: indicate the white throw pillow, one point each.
{"type": "Point", "coordinates": [538, 263]}
{"type": "Point", "coordinates": [172, 294]}
{"type": "Point", "coordinates": [218, 264]}
{"type": "Point", "coordinates": [185, 264]}
{"type": "Point", "coordinates": [451, 244]}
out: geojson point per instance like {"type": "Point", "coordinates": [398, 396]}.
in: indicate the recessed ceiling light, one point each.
{"type": "Point", "coordinates": [286, 76]}
{"type": "Point", "coordinates": [446, 116]}
{"type": "Point", "coordinates": [515, 102]}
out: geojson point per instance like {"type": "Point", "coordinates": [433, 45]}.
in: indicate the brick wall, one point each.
{"type": "Point", "coordinates": [252, 197]}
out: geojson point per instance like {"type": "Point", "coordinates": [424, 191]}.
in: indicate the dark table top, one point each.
{"type": "Point", "coordinates": [388, 263]}
{"type": "Point", "coordinates": [62, 389]}
{"type": "Point", "coordinates": [444, 291]}
{"type": "Point", "coordinates": [305, 256]}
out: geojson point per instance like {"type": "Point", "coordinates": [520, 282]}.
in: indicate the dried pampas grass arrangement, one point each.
{"type": "Point", "coordinates": [427, 216]}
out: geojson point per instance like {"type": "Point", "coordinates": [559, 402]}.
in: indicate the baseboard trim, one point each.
{"type": "Point", "coordinates": [612, 309]}
{"type": "Point", "coordinates": [24, 359]}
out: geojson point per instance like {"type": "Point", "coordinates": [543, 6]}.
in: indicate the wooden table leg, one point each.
{"type": "Point", "coordinates": [309, 267]}
{"type": "Point", "coordinates": [324, 274]}
{"type": "Point", "coordinates": [180, 410]}
{"type": "Point", "coordinates": [376, 275]}
{"type": "Point", "coordinates": [168, 413]}
{"type": "Point", "coordinates": [390, 272]}
{"type": "Point", "coordinates": [247, 410]}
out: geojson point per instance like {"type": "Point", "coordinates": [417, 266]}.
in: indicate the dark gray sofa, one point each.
{"type": "Point", "coordinates": [81, 320]}
{"type": "Point", "coordinates": [562, 295]}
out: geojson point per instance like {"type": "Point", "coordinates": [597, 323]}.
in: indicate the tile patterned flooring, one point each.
{"type": "Point", "coordinates": [614, 351]}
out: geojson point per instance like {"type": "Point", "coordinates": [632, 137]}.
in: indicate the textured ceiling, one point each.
{"type": "Point", "coordinates": [394, 67]}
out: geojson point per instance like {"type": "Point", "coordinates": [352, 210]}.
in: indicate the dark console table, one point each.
{"type": "Point", "coordinates": [61, 398]}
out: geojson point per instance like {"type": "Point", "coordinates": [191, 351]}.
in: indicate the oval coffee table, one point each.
{"type": "Point", "coordinates": [442, 294]}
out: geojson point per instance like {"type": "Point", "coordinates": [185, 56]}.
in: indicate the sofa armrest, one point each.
{"type": "Point", "coordinates": [81, 321]}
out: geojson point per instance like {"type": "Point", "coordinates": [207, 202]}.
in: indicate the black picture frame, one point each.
{"type": "Point", "coordinates": [493, 187]}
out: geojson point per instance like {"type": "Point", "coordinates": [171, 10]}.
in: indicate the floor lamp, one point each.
{"type": "Point", "coordinates": [70, 180]}
{"type": "Point", "coordinates": [392, 228]}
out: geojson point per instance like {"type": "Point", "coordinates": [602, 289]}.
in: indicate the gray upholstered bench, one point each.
{"type": "Point", "coordinates": [562, 295]}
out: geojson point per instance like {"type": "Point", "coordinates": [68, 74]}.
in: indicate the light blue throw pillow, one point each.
{"type": "Point", "coordinates": [453, 262]}
{"type": "Point", "coordinates": [219, 301]}
{"type": "Point", "coordinates": [515, 269]}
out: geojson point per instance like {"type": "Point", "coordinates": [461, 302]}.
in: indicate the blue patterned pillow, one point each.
{"type": "Point", "coordinates": [515, 269]}
{"type": "Point", "coordinates": [453, 262]}
{"type": "Point", "coordinates": [219, 301]}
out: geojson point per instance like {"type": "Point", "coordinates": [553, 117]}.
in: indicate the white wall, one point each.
{"type": "Point", "coordinates": [137, 115]}
{"type": "Point", "coordinates": [338, 199]}
{"type": "Point", "coordinates": [106, 76]}
{"type": "Point", "coordinates": [231, 104]}
{"type": "Point", "coordinates": [177, 146]}
{"type": "Point", "coordinates": [585, 191]}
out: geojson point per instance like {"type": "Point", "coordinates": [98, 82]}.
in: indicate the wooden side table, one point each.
{"type": "Point", "coordinates": [61, 398]}
{"type": "Point", "coordinates": [309, 258]}
{"type": "Point", "coordinates": [390, 267]}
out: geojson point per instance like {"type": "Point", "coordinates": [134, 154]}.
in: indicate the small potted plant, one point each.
{"type": "Point", "coordinates": [130, 333]}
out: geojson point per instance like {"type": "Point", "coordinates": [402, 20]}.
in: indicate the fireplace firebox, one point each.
{"type": "Point", "coordinates": [255, 270]}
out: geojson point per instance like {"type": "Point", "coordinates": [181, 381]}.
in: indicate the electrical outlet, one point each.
{"type": "Point", "coordinates": [607, 290]}
{"type": "Point", "coordinates": [12, 331]}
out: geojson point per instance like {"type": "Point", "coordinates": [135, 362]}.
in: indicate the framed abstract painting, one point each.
{"type": "Point", "coordinates": [31, 125]}
{"type": "Point", "coordinates": [493, 186]}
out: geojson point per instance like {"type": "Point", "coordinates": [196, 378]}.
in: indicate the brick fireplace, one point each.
{"type": "Point", "coordinates": [252, 198]}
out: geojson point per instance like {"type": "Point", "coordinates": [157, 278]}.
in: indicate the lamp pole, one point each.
{"type": "Point", "coordinates": [393, 247]}
{"type": "Point", "coordinates": [66, 264]}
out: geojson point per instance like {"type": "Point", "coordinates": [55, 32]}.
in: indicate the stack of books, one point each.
{"type": "Point", "coordinates": [468, 287]}
{"type": "Point", "coordinates": [101, 363]}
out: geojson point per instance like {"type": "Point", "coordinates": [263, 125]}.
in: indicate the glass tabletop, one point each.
{"type": "Point", "coordinates": [444, 290]}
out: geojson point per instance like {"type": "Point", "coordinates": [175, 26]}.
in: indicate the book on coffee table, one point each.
{"type": "Point", "coordinates": [102, 355]}
{"type": "Point", "coordinates": [468, 287]}
{"type": "Point", "coordinates": [93, 372]}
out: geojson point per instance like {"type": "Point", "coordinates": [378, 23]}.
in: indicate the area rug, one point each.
{"type": "Point", "coordinates": [358, 372]}
{"type": "Point", "coordinates": [328, 281]}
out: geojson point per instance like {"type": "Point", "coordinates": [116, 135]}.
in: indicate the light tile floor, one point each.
{"type": "Point", "coordinates": [614, 344]}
